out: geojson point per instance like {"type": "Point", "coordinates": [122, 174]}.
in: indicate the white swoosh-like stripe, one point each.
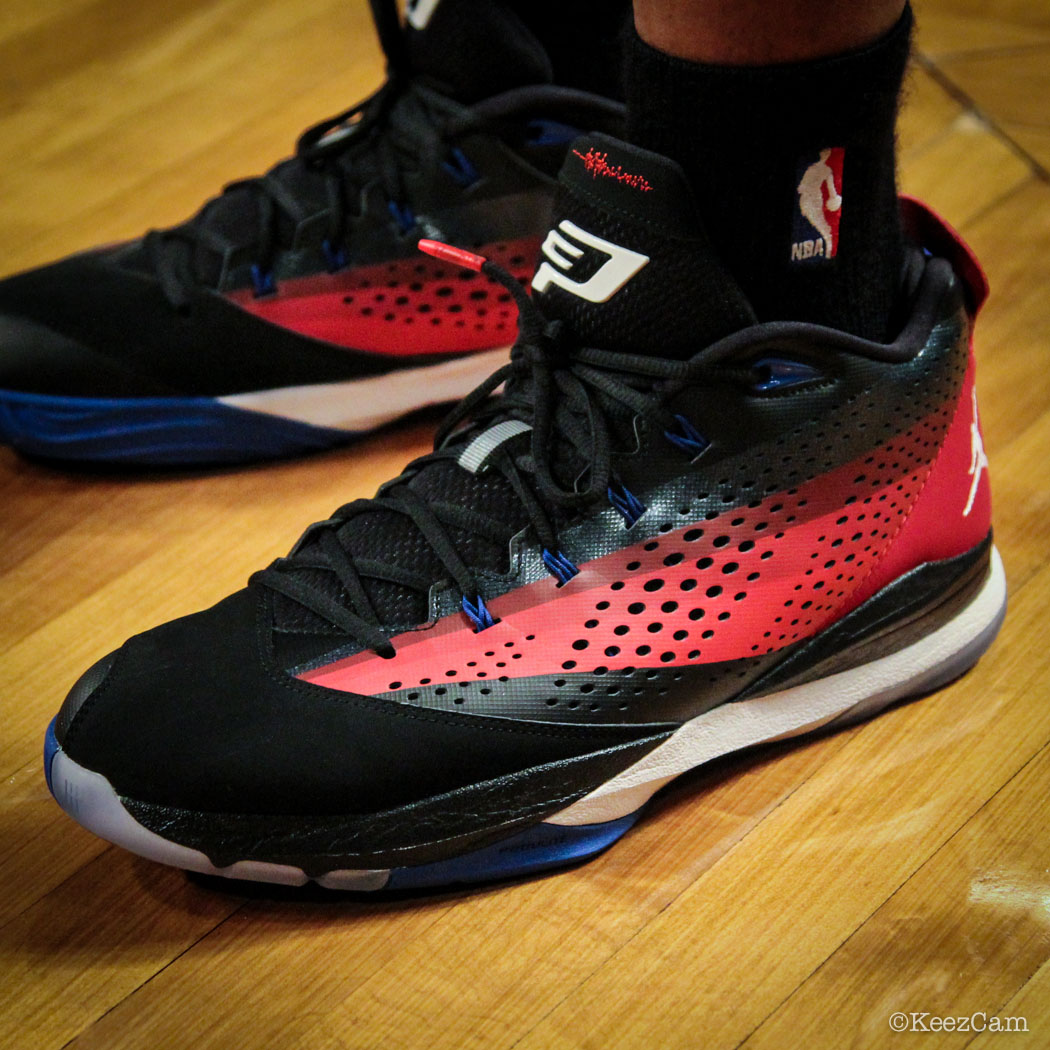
{"type": "Point", "coordinates": [362, 404]}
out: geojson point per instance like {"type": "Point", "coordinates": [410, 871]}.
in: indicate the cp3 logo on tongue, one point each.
{"type": "Point", "coordinates": [566, 250]}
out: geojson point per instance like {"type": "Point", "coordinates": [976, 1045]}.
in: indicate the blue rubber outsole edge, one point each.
{"type": "Point", "coordinates": [153, 430]}
{"type": "Point", "coordinates": [50, 750]}
{"type": "Point", "coordinates": [537, 848]}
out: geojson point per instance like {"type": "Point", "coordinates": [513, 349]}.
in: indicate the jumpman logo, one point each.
{"type": "Point", "coordinates": [820, 204]}
{"type": "Point", "coordinates": [978, 459]}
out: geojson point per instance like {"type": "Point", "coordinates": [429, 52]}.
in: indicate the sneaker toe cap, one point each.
{"type": "Point", "coordinates": [196, 715]}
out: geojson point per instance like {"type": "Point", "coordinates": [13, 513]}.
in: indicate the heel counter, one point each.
{"type": "Point", "coordinates": [955, 506]}
{"type": "Point", "coordinates": [952, 513]}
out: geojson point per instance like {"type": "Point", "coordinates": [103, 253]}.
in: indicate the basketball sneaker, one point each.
{"type": "Point", "coordinates": [674, 534]}
{"type": "Point", "coordinates": [294, 311]}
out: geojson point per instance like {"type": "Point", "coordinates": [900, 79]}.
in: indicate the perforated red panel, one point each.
{"type": "Point", "coordinates": [749, 582]}
{"type": "Point", "coordinates": [413, 306]}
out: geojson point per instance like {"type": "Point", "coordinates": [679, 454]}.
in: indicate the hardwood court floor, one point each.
{"type": "Point", "coordinates": [797, 899]}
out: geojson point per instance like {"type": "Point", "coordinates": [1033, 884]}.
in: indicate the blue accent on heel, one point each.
{"type": "Point", "coordinates": [775, 373]}
{"type": "Point", "coordinates": [149, 431]}
{"type": "Point", "coordinates": [403, 215]}
{"type": "Point", "coordinates": [335, 257]}
{"type": "Point", "coordinates": [537, 848]}
{"type": "Point", "coordinates": [51, 749]}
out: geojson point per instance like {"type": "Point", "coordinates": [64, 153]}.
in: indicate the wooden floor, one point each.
{"type": "Point", "coordinates": [795, 900]}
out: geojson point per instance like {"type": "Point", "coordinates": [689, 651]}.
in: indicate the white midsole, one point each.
{"type": "Point", "coordinates": [90, 799]}
{"type": "Point", "coordinates": [363, 404]}
{"type": "Point", "coordinates": [800, 709]}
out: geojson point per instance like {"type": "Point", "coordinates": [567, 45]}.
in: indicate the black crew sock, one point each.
{"type": "Point", "coordinates": [794, 172]}
{"type": "Point", "coordinates": [584, 38]}
{"type": "Point", "coordinates": [477, 48]}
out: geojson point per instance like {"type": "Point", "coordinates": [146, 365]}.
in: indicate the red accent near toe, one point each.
{"type": "Point", "coordinates": [755, 579]}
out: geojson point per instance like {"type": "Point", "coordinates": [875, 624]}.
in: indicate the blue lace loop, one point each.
{"type": "Point", "coordinates": [403, 215]}
{"type": "Point", "coordinates": [262, 281]}
{"type": "Point", "coordinates": [463, 171]}
{"type": "Point", "coordinates": [559, 566]}
{"type": "Point", "coordinates": [478, 613]}
{"type": "Point", "coordinates": [336, 258]}
{"type": "Point", "coordinates": [688, 439]}
{"type": "Point", "coordinates": [631, 508]}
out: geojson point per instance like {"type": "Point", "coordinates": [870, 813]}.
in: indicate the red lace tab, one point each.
{"type": "Point", "coordinates": [458, 256]}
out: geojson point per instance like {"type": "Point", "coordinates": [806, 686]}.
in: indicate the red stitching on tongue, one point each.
{"type": "Point", "coordinates": [598, 164]}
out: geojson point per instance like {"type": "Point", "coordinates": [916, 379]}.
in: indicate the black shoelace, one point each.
{"type": "Point", "coordinates": [572, 402]}
{"type": "Point", "coordinates": [396, 131]}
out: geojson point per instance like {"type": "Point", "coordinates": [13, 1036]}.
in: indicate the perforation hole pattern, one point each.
{"type": "Point", "coordinates": [408, 306]}
{"type": "Point", "coordinates": [745, 582]}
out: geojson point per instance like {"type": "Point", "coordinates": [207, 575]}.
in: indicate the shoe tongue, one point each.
{"type": "Point", "coordinates": [627, 264]}
{"type": "Point", "coordinates": [473, 48]}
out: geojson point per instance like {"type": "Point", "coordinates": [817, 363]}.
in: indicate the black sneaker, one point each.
{"type": "Point", "coordinates": [678, 533]}
{"type": "Point", "coordinates": [294, 311]}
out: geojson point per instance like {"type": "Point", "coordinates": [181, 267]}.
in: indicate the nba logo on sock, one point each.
{"type": "Point", "coordinates": [819, 186]}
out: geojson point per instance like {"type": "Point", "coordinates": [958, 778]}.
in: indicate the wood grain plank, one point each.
{"type": "Point", "coordinates": [830, 880]}
{"type": "Point", "coordinates": [947, 27]}
{"type": "Point", "coordinates": [1010, 88]}
{"type": "Point", "coordinates": [184, 86]}
{"type": "Point", "coordinates": [734, 946]}
{"type": "Point", "coordinates": [62, 972]}
{"type": "Point", "coordinates": [211, 533]}
{"type": "Point", "coordinates": [940, 171]}
{"type": "Point", "coordinates": [959, 937]}
{"type": "Point", "coordinates": [1032, 1003]}
{"type": "Point", "coordinates": [490, 965]}
{"type": "Point", "coordinates": [927, 112]}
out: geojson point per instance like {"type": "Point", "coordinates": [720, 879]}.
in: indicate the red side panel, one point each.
{"type": "Point", "coordinates": [750, 582]}
{"type": "Point", "coordinates": [420, 305]}
{"type": "Point", "coordinates": [954, 510]}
